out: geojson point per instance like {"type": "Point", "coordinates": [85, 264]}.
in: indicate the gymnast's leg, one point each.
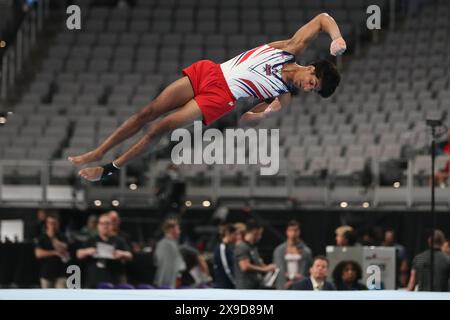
{"type": "Point", "coordinates": [174, 96]}
{"type": "Point", "coordinates": [183, 116]}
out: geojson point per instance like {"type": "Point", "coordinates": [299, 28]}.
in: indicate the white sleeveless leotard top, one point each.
{"type": "Point", "coordinates": [257, 73]}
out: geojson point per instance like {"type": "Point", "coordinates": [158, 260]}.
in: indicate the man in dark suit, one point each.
{"type": "Point", "coordinates": [318, 275]}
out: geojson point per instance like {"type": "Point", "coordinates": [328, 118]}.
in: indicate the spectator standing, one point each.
{"type": "Point", "coordinates": [390, 241]}
{"type": "Point", "coordinates": [240, 229]}
{"type": "Point", "coordinates": [249, 266]}
{"type": "Point", "coordinates": [446, 248]}
{"type": "Point", "coordinates": [224, 258]}
{"type": "Point", "coordinates": [105, 255]}
{"type": "Point", "coordinates": [197, 271]}
{"type": "Point", "coordinates": [345, 236]}
{"type": "Point", "coordinates": [115, 227]}
{"type": "Point", "coordinates": [52, 252]}
{"type": "Point", "coordinates": [402, 268]}
{"type": "Point", "coordinates": [89, 230]}
{"type": "Point", "coordinates": [420, 270]}
{"type": "Point", "coordinates": [39, 226]}
{"type": "Point", "coordinates": [293, 257]}
{"type": "Point", "coordinates": [168, 259]}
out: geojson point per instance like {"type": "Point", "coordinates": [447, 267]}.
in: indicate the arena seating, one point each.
{"type": "Point", "coordinates": [89, 81]}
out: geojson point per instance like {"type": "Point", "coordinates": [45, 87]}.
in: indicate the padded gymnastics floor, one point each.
{"type": "Point", "coordinates": [214, 294]}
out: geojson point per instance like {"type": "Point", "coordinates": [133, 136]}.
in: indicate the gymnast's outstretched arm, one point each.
{"type": "Point", "coordinates": [264, 109]}
{"type": "Point", "coordinates": [320, 23]}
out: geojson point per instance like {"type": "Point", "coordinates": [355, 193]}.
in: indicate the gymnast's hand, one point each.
{"type": "Point", "coordinates": [91, 174]}
{"type": "Point", "coordinates": [338, 46]}
{"type": "Point", "coordinates": [275, 106]}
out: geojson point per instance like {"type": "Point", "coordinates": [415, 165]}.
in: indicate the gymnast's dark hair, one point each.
{"type": "Point", "coordinates": [327, 72]}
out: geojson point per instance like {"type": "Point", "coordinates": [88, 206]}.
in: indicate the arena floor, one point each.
{"type": "Point", "coordinates": [214, 294]}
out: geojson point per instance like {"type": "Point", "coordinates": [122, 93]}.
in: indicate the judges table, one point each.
{"type": "Point", "coordinates": [20, 268]}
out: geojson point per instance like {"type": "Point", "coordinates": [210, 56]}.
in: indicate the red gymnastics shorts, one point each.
{"type": "Point", "coordinates": [211, 91]}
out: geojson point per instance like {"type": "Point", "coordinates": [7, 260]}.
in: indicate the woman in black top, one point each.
{"type": "Point", "coordinates": [52, 252]}
{"type": "Point", "coordinates": [224, 258]}
{"type": "Point", "coordinates": [346, 276]}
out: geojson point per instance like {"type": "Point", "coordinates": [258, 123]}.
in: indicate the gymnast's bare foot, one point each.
{"type": "Point", "coordinates": [91, 174]}
{"type": "Point", "coordinates": [88, 157]}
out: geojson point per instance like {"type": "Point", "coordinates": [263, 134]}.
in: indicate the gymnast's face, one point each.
{"type": "Point", "coordinates": [305, 79]}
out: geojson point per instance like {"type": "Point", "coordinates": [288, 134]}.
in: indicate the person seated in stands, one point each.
{"type": "Point", "coordinates": [318, 277]}
{"type": "Point", "coordinates": [441, 176]}
{"type": "Point", "coordinates": [443, 148]}
{"type": "Point", "coordinates": [52, 252]}
{"type": "Point", "coordinates": [293, 257]}
{"type": "Point", "coordinates": [105, 255]}
{"type": "Point", "coordinates": [346, 276]}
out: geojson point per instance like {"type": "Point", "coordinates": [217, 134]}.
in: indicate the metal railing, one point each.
{"type": "Point", "coordinates": [18, 51]}
{"type": "Point", "coordinates": [44, 189]}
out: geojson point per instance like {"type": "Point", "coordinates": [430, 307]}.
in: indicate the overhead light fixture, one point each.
{"type": "Point", "coordinates": [366, 204]}
{"type": "Point", "coordinates": [396, 185]}
{"type": "Point", "coordinates": [4, 117]}
{"type": "Point", "coordinates": [97, 203]}
{"type": "Point", "coordinates": [206, 203]}
{"type": "Point", "coordinates": [133, 186]}
{"type": "Point", "coordinates": [115, 203]}
{"type": "Point", "coordinates": [2, 44]}
{"type": "Point", "coordinates": [344, 204]}
{"type": "Point", "coordinates": [188, 203]}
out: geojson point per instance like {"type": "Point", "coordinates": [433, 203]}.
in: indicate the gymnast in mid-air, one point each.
{"type": "Point", "coordinates": [208, 90]}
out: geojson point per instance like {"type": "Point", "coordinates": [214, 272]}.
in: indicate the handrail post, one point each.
{"type": "Point", "coordinates": [4, 77]}
{"type": "Point", "coordinates": [19, 51]}
{"type": "Point", "coordinates": [40, 15]}
{"type": "Point", "coordinates": [1, 181]}
{"type": "Point", "coordinates": [44, 182]}
{"type": "Point", "coordinates": [11, 67]}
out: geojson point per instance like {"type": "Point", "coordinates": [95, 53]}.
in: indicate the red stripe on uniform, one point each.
{"type": "Point", "coordinates": [254, 88]}
{"type": "Point", "coordinates": [265, 89]}
{"type": "Point", "coordinates": [243, 89]}
{"type": "Point", "coordinates": [265, 50]}
{"type": "Point", "coordinates": [248, 54]}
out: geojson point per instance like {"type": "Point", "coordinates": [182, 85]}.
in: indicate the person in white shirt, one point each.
{"type": "Point", "coordinates": [293, 257]}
